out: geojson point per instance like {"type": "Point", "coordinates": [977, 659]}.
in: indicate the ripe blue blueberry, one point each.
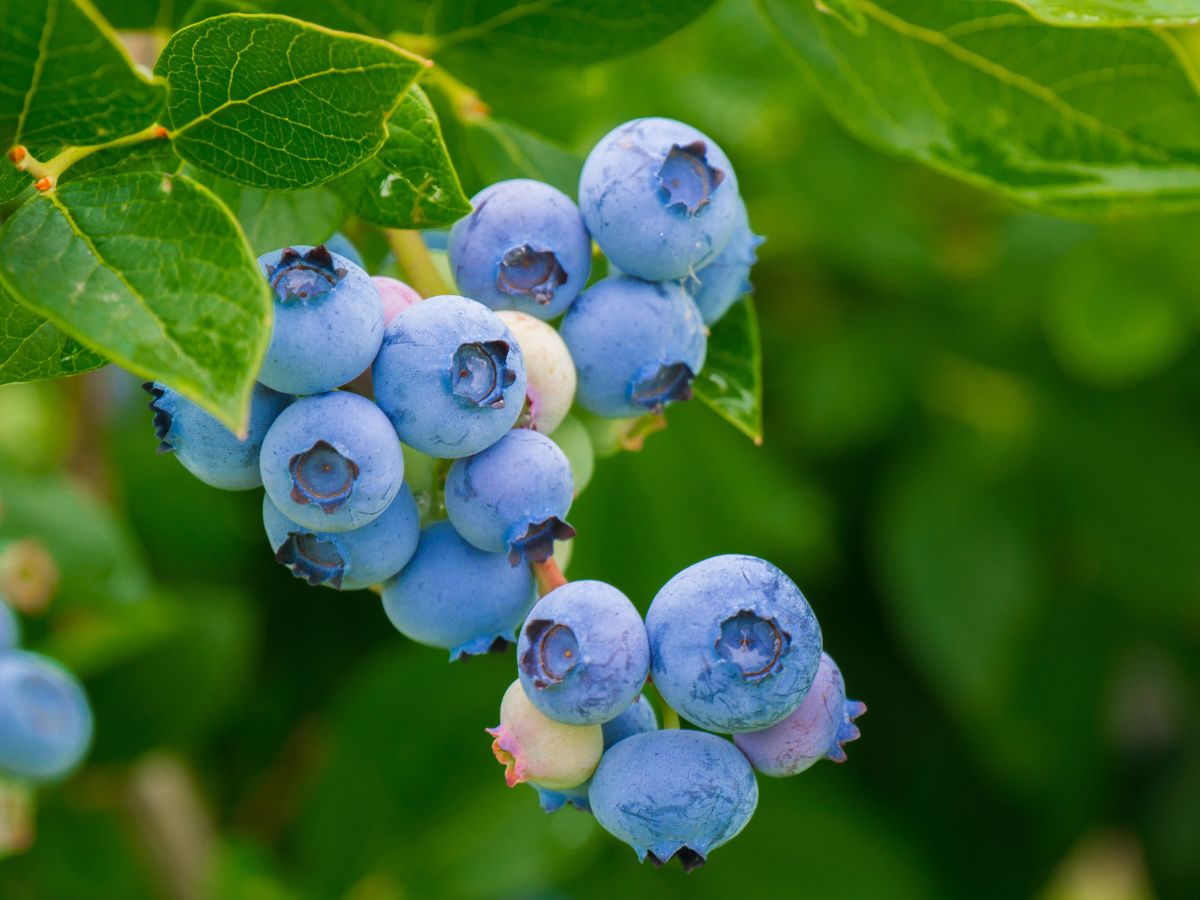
{"type": "Point", "coordinates": [512, 497]}
{"type": "Point", "coordinates": [45, 719]}
{"type": "Point", "coordinates": [582, 654]}
{"type": "Point", "coordinates": [817, 730]}
{"type": "Point", "coordinates": [204, 446]}
{"type": "Point", "coordinates": [637, 718]}
{"type": "Point", "coordinates": [726, 279]}
{"type": "Point", "coordinates": [10, 628]}
{"type": "Point", "coordinates": [637, 346]}
{"type": "Point", "coordinates": [450, 376]}
{"type": "Point", "coordinates": [734, 646]}
{"type": "Point", "coordinates": [457, 597]}
{"type": "Point", "coordinates": [347, 560]}
{"type": "Point", "coordinates": [523, 247]}
{"type": "Point", "coordinates": [659, 197]}
{"type": "Point", "coordinates": [674, 793]}
{"type": "Point", "coordinates": [332, 462]}
{"type": "Point", "coordinates": [328, 320]}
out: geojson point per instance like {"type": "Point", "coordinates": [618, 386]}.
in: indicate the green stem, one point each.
{"type": "Point", "coordinates": [669, 716]}
{"type": "Point", "coordinates": [46, 174]}
{"type": "Point", "coordinates": [16, 816]}
{"type": "Point", "coordinates": [415, 262]}
{"type": "Point", "coordinates": [467, 105]}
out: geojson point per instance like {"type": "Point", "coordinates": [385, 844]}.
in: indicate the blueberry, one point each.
{"type": "Point", "coordinates": [674, 793]}
{"type": "Point", "coordinates": [328, 320]}
{"type": "Point", "coordinates": [523, 247]}
{"type": "Point", "coordinates": [659, 197]}
{"type": "Point", "coordinates": [734, 646]}
{"type": "Point", "coordinates": [396, 297]}
{"type": "Point", "coordinates": [45, 720]}
{"type": "Point", "coordinates": [340, 244]}
{"type": "Point", "coordinates": [637, 718]}
{"type": "Point", "coordinates": [454, 596]}
{"type": "Point", "coordinates": [512, 497]}
{"type": "Point", "coordinates": [549, 370]}
{"type": "Point", "coordinates": [332, 462]}
{"type": "Point", "coordinates": [204, 446]}
{"type": "Point", "coordinates": [10, 628]}
{"type": "Point", "coordinates": [816, 730]}
{"type": "Point", "coordinates": [450, 376]}
{"type": "Point", "coordinates": [347, 560]}
{"type": "Point", "coordinates": [582, 654]}
{"type": "Point", "coordinates": [726, 279]}
{"type": "Point", "coordinates": [637, 346]}
{"type": "Point", "coordinates": [538, 750]}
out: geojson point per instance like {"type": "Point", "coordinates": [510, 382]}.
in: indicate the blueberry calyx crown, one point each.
{"type": "Point", "coordinates": [527, 272]}
{"type": "Point", "coordinates": [536, 545]}
{"type": "Point", "coordinates": [322, 476]}
{"type": "Point", "coordinates": [686, 179]}
{"type": "Point", "coordinates": [753, 644]}
{"type": "Point", "coordinates": [312, 559]}
{"type": "Point", "coordinates": [304, 278]}
{"type": "Point", "coordinates": [552, 654]}
{"type": "Point", "coordinates": [688, 858]}
{"type": "Point", "coordinates": [847, 731]}
{"type": "Point", "coordinates": [162, 418]}
{"type": "Point", "coordinates": [481, 373]}
{"type": "Point", "coordinates": [667, 383]}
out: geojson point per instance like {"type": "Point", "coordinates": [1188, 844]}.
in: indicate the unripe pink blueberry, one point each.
{"type": "Point", "coordinates": [549, 370]}
{"type": "Point", "coordinates": [816, 730]}
{"type": "Point", "coordinates": [534, 748]}
{"type": "Point", "coordinates": [396, 296]}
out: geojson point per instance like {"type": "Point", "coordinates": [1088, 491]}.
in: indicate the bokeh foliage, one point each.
{"type": "Point", "coordinates": [980, 463]}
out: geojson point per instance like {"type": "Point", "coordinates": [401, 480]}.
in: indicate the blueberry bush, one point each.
{"type": "Point", "coordinates": [965, 425]}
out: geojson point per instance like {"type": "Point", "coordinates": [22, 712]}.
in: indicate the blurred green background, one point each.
{"type": "Point", "coordinates": [981, 466]}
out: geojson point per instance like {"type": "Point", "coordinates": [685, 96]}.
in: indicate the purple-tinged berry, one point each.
{"type": "Point", "coordinates": [659, 197]}
{"type": "Point", "coordinates": [726, 279]}
{"type": "Point", "coordinates": [582, 654]}
{"type": "Point", "coordinates": [396, 297]}
{"type": "Point", "coordinates": [536, 749]}
{"type": "Point", "coordinates": [332, 462]}
{"type": "Point", "coordinates": [523, 247]}
{"type": "Point", "coordinates": [328, 320]}
{"type": "Point", "coordinates": [817, 730]}
{"type": "Point", "coordinates": [204, 446]}
{"type": "Point", "coordinates": [450, 376]}
{"type": "Point", "coordinates": [457, 597]}
{"type": "Point", "coordinates": [637, 346]}
{"type": "Point", "coordinates": [347, 560]}
{"type": "Point", "coordinates": [512, 497]}
{"type": "Point", "coordinates": [45, 719]}
{"type": "Point", "coordinates": [734, 646]}
{"type": "Point", "coordinates": [674, 794]}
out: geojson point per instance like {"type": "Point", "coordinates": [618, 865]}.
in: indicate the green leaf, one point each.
{"type": "Point", "coordinates": [498, 34]}
{"type": "Point", "coordinates": [411, 182]}
{"type": "Point", "coordinates": [144, 156]}
{"type": "Point", "coordinates": [846, 12]}
{"type": "Point", "coordinates": [273, 219]}
{"type": "Point", "coordinates": [272, 102]}
{"type": "Point", "coordinates": [731, 381]}
{"type": "Point", "coordinates": [151, 271]}
{"type": "Point", "coordinates": [33, 349]}
{"type": "Point", "coordinates": [66, 79]}
{"type": "Point", "coordinates": [1092, 123]}
{"type": "Point", "coordinates": [12, 182]}
{"type": "Point", "coordinates": [1114, 13]}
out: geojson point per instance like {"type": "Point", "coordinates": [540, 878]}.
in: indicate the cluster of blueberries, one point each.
{"type": "Point", "coordinates": [445, 476]}
{"type": "Point", "coordinates": [45, 718]}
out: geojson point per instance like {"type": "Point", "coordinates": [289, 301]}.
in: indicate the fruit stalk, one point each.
{"type": "Point", "coordinates": [549, 576]}
{"type": "Point", "coordinates": [413, 258]}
